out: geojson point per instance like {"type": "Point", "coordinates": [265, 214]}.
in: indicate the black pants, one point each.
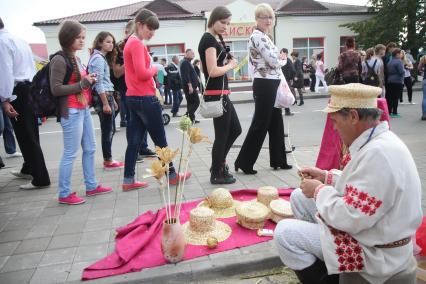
{"type": "Point", "coordinates": [351, 79]}
{"type": "Point", "coordinates": [393, 93]}
{"type": "Point", "coordinates": [192, 103]}
{"type": "Point", "coordinates": [107, 122]}
{"type": "Point", "coordinates": [27, 135]}
{"type": "Point", "coordinates": [266, 119]}
{"type": "Point", "coordinates": [226, 130]}
{"type": "Point", "coordinates": [409, 85]}
{"type": "Point", "coordinates": [313, 81]}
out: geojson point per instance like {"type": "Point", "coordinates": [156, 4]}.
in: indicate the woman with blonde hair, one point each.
{"type": "Point", "coordinates": [216, 62]}
{"type": "Point", "coordinates": [408, 66]}
{"type": "Point", "coordinates": [70, 82]}
{"type": "Point", "coordinates": [267, 74]}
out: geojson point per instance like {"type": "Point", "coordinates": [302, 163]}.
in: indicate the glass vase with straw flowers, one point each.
{"type": "Point", "coordinates": [173, 240]}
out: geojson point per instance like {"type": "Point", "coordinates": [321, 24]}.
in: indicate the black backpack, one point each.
{"type": "Point", "coordinates": [41, 99]}
{"type": "Point", "coordinates": [371, 78]}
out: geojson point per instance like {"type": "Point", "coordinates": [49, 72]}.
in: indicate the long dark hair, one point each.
{"type": "Point", "coordinates": [220, 13]}
{"type": "Point", "coordinates": [110, 56]}
{"type": "Point", "coordinates": [68, 33]}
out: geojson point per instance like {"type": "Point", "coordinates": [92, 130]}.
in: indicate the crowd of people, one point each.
{"type": "Point", "coordinates": [341, 217]}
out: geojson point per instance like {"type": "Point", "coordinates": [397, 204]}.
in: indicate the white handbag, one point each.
{"type": "Point", "coordinates": [212, 109]}
{"type": "Point", "coordinates": [284, 96]}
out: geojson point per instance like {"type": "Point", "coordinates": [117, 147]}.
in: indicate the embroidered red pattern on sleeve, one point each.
{"type": "Point", "coordinates": [361, 200]}
{"type": "Point", "coordinates": [348, 252]}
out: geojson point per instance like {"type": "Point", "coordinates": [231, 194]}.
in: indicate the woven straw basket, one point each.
{"type": "Point", "coordinates": [252, 214]}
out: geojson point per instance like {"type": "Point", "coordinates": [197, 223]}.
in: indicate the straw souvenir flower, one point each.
{"type": "Point", "coordinates": [166, 154]}
{"type": "Point", "coordinates": [195, 136]}
{"type": "Point", "coordinates": [157, 170]}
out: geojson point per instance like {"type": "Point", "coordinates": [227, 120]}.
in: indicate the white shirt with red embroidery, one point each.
{"type": "Point", "coordinates": [375, 200]}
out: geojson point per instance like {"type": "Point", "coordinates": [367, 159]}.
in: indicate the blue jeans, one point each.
{"type": "Point", "coordinates": [424, 99]}
{"type": "Point", "coordinates": [107, 122]}
{"type": "Point", "coordinates": [8, 136]}
{"type": "Point", "coordinates": [78, 130]}
{"type": "Point", "coordinates": [124, 111]}
{"type": "Point", "coordinates": [145, 115]}
{"type": "Point", "coordinates": [177, 99]}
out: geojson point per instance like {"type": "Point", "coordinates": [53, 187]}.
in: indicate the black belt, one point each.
{"type": "Point", "coordinates": [22, 83]}
{"type": "Point", "coordinates": [395, 244]}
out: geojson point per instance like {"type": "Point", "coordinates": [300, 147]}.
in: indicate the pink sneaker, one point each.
{"type": "Point", "coordinates": [99, 190]}
{"type": "Point", "coordinates": [114, 165]}
{"type": "Point", "coordinates": [186, 176]}
{"type": "Point", "coordinates": [71, 199]}
{"type": "Point", "coordinates": [135, 185]}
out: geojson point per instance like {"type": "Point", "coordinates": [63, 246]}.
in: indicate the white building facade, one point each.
{"type": "Point", "coordinates": [308, 26]}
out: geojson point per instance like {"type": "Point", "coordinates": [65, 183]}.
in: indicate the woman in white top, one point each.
{"type": "Point", "coordinates": [319, 74]}
{"type": "Point", "coordinates": [408, 66]}
{"type": "Point", "coordinates": [264, 57]}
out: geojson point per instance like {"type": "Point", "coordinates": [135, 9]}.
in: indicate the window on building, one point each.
{"type": "Point", "coordinates": [307, 47]}
{"type": "Point", "coordinates": [240, 52]}
{"type": "Point", "coordinates": [343, 42]}
{"type": "Point", "coordinates": [168, 50]}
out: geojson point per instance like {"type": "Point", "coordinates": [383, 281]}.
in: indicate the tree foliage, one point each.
{"type": "Point", "coordinates": [399, 21]}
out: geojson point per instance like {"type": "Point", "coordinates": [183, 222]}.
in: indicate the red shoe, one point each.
{"type": "Point", "coordinates": [135, 185]}
{"type": "Point", "coordinates": [99, 190]}
{"type": "Point", "coordinates": [185, 176]}
{"type": "Point", "coordinates": [71, 199]}
{"type": "Point", "coordinates": [114, 165]}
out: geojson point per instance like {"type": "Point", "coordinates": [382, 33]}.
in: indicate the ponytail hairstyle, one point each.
{"type": "Point", "coordinates": [220, 13]}
{"type": "Point", "coordinates": [68, 32]}
{"type": "Point", "coordinates": [110, 56]}
{"type": "Point", "coordinates": [369, 53]}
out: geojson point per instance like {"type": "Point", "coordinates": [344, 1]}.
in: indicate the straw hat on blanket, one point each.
{"type": "Point", "coordinates": [221, 202]}
{"type": "Point", "coordinates": [281, 209]}
{"type": "Point", "coordinates": [252, 214]}
{"type": "Point", "coordinates": [202, 225]}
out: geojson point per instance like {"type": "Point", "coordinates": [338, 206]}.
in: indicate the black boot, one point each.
{"type": "Point", "coordinates": [301, 103]}
{"type": "Point", "coordinates": [226, 172]}
{"type": "Point", "coordinates": [218, 177]}
{"type": "Point", "coordinates": [1, 163]}
{"type": "Point", "coordinates": [316, 274]}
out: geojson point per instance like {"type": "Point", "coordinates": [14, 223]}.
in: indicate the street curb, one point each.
{"type": "Point", "coordinates": [197, 270]}
{"type": "Point", "coordinates": [237, 102]}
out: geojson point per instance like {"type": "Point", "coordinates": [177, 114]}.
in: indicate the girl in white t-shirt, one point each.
{"type": "Point", "coordinates": [319, 74]}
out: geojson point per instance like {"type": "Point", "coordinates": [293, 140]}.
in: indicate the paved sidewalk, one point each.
{"type": "Point", "coordinates": [42, 241]}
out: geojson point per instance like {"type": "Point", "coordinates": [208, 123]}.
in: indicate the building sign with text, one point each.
{"type": "Point", "coordinates": [240, 30]}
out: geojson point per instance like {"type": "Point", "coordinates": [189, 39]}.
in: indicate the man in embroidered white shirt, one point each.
{"type": "Point", "coordinates": [17, 70]}
{"type": "Point", "coordinates": [360, 219]}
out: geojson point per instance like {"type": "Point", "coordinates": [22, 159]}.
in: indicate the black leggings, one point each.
{"type": "Point", "coordinates": [409, 85]}
{"type": "Point", "coordinates": [226, 130]}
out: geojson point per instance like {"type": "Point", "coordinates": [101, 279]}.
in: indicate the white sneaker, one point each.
{"type": "Point", "coordinates": [412, 103]}
{"type": "Point", "coordinates": [31, 186]}
{"type": "Point", "coordinates": [18, 174]}
{"type": "Point", "coordinates": [13, 155]}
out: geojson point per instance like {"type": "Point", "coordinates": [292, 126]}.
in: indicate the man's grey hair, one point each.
{"type": "Point", "coordinates": [369, 114]}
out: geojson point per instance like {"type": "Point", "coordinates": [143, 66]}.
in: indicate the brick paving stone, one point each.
{"type": "Point", "coordinates": [51, 274]}
{"type": "Point", "coordinates": [58, 256]}
{"type": "Point", "coordinates": [64, 241]}
{"type": "Point", "coordinates": [22, 262]}
{"type": "Point", "coordinates": [17, 277]}
{"type": "Point", "coordinates": [32, 245]}
{"type": "Point", "coordinates": [8, 248]}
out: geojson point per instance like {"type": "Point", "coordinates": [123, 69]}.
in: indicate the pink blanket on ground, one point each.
{"type": "Point", "coordinates": [138, 245]}
{"type": "Point", "coordinates": [331, 145]}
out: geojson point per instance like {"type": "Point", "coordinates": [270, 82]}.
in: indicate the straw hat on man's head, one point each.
{"type": "Point", "coordinates": [355, 95]}
{"type": "Point", "coordinates": [221, 202]}
{"type": "Point", "coordinates": [203, 225]}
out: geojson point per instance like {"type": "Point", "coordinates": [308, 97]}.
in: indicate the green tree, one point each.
{"type": "Point", "coordinates": [399, 21]}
